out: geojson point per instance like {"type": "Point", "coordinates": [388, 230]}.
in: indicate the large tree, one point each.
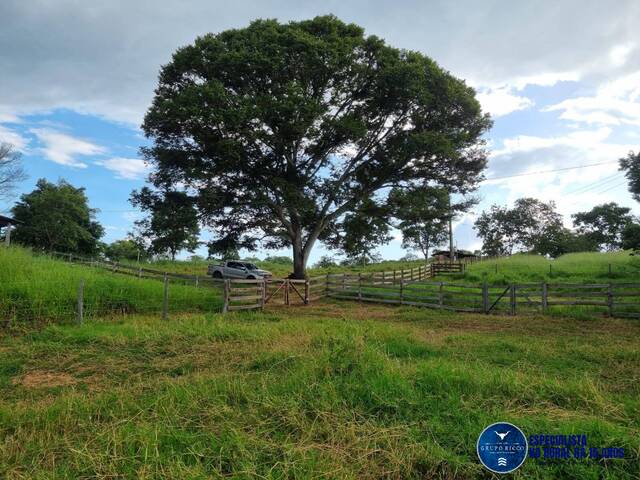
{"type": "Point", "coordinates": [171, 224]}
{"type": "Point", "coordinates": [631, 165]}
{"type": "Point", "coordinates": [604, 224]}
{"type": "Point", "coordinates": [423, 214]}
{"type": "Point", "coordinates": [279, 130]}
{"type": "Point", "coordinates": [11, 171]}
{"type": "Point", "coordinates": [57, 217]}
{"type": "Point", "coordinates": [527, 226]}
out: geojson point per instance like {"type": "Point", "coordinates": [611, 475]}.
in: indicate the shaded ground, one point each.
{"type": "Point", "coordinates": [335, 390]}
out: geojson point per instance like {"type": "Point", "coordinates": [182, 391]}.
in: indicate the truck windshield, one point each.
{"type": "Point", "coordinates": [250, 266]}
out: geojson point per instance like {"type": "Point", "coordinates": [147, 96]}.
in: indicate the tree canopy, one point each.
{"type": "Point", "coordinates": [423, 215]}
{"type": "Point", "coordinates": [604, 224]}
{"type": "Point", "coordinates": [527, 226]}
{"type": "Point", "coordinates": [279, 130]}
{"type": "Point", "coordinates": [631, 165]}
{"type": "Point", "coordinates": [361, 231]}
{"type": "Point", "coordinates": [57, 217]}
{"type": "Point", "coordinates": [171, 224]}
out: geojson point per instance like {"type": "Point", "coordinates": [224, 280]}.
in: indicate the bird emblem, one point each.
{"type": "Point", "coordinates": [502, 435]}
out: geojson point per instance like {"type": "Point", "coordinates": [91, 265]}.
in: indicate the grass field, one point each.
{"type": "Point", "coordinates": [39, 288]}
{"type": "Point", "coordinates": [573, 267]}
{"type": "Point", "coordinates": [326, 391]}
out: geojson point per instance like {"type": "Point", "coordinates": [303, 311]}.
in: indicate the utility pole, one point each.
{"type": "Point", "coordinates": [451, 251]}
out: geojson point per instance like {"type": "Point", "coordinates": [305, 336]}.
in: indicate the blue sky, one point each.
{"type": "Point", "coordinates": [561, 81]}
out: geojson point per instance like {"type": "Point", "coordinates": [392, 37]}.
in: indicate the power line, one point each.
{"type": "Point", "coordinates": [550, 171]}
{"type": "Point", "coordinates": [597, 184]}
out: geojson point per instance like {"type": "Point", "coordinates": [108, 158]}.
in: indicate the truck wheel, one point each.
{"type": "Point", "coordinates": [216, 275]}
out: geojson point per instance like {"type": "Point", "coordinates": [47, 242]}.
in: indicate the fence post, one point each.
{"type": "Point", "coordinates": [513, 299]}
{"type": "Point", "coordinates": [197, 281]}
{"type": "Point", "coordinates": [545, 297]}
{"type": "Point", "coordinates": [286, 292]}
{"type": "Point", "coordinates": [411, 274]}
{"type": "Point", "coordinates": [394, 277]}
{"type": "Point", "coordinates": [165, 298]}
{"type": "Point", "coordinates": [306, 291]}
{"type": "Point", "coordinates": [263, 293]}
{"type": "Point", "coordinates": [139, 272]}
{"type": "Point", "coordinates": [359, 286]}
{"type": "Point", "coordinates": [485, 297]}
{"type": "Point", "coordinates": [441, 295]}
{"type": "Point", "coordinates": [401, 290]}
{"type": "Point", "coordinates": [80, 317]}
{"type": "Point", "coordinates": [326, 286]}
{"type": "Point", "coordinates": [609, 269]}
{"type": "Point", "coordinates": [401, 275]}
{"type": "Point", "coordinates": [225, 305]}
{"type": "Point", "coordinates": [610, 299]}
{"type": "Point", "coordinates": [343, 280]}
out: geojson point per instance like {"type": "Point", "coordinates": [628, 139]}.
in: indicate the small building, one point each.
{"type": "Point", "coordinates": [7, 223]}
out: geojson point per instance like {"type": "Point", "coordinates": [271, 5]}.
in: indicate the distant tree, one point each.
{"type": "Point", "coordinates": [11, 171]}
{"type": "Point", "coordinates": [282, 129]}
{"type": "Point", "coordinates": [281, 259]}
{"type": "Point", "coordinates": [196, 258]}
{"type": "Point", "coordinates": [524, 227]}
{"type": "Point", "coordinates": [57, 217]}
{"type": "Point", "coordinates": [631, 237]}
{"type": "Point", "coordinates": [631, 164]}
{"type": "Point", "coordinates": [604, 224]}
{"type": "Point", "coordinates": [326, 261]}
{"type": "Point", "coordinates": [127, 249]}
{"type": "Point", "coordinates": [171, 224]}
{"type": "Point", "coordinates": [409, 257]}
{"type": "Point", "coordinates": [423, 213]}
{"type": "Point", "coordinates": [561, 240]}
{"type": "Point", "coordinates": [361, 232]}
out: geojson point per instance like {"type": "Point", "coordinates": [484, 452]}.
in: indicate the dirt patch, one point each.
{"type": "Point", "coordinates": [40, 379]}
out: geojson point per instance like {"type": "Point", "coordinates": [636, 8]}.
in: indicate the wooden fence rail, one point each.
{"type": "Point", "coordinates": [613, 299]}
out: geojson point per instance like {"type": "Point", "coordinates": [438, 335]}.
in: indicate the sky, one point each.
{"type": "Point", "coordinates": [560, 79]}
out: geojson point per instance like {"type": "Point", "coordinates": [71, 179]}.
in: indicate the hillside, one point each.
{"type": "Point", "coordinates": [585, 267]}
{"type": "Point", "coordinates": [35, 287]}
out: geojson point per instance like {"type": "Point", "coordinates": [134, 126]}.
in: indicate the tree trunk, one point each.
{"type": "Point", "coordinates": [299, 262]}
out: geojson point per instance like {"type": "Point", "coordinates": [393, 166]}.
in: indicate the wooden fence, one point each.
{"type": "Point", "coordinates": [613, 299]}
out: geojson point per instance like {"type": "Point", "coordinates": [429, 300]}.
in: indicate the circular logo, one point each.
{"type": "Point", "coordinates": [502, 447]}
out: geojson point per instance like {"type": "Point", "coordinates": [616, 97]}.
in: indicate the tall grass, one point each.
{"type": "Point", "coordinates": [329, 391]}
{"type": "Point", "coordinates": [40, 288]}
{"type": "Point", "coordinates": [585, 267]}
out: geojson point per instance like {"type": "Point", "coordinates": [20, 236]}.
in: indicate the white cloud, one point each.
{"type": "Point", "coordinates": [14, 138]}
{"type": "Point", "coordinates": [501, 101]}
{"type": "Point", "coordinates": [614, 103]}
{"type": "Point", "coordinates": [620, 53]}
{"type": "Point", "coordinates": [583, 139]}
{"type": "Point", "coordinates": [63, 149]}
{"type": "Point", "coordinates": [126, 168]}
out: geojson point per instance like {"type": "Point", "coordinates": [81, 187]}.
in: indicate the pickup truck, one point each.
{"type": "Point", "coordinates": [238, 269]}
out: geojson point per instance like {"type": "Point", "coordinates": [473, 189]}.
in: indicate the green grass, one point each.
{"type": "Point", "coordinates": [570, 268]}
{"type": "Point", "coordinates": [38, 288]}
{"type": "Point", "coordinates": [331, 391]}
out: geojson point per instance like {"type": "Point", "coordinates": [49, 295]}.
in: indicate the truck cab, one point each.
{"type": "Point", "coordinates": [238, 269]}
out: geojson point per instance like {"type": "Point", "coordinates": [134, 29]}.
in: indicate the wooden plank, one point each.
{"type": "Point", "coordinates": [245, 297]}
{"type": "Point", "coordinates": [244, 307]}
